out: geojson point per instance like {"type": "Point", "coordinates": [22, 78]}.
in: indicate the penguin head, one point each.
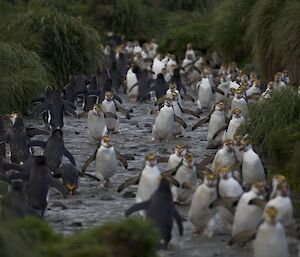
{"type": "Point", "coordinates": [259, 187]}
{"type": "Point", "coordinates": [237, 139]}
{"type": "Point", "coordinates": [224, 172]}
{"type": "Point", "coordinates": [285, 73]}
{"type": "Point", "coordinates": [227, 145]}
{"type": "Point", "coordinates": [253, 76]}
{"type": "Point", "coordinates": [277, 180]}
{"type": "Point", "coordinates": [97, 109]}
{"type": "Point", "coordinates": [151, 160]}
{"type": "Point", "coordinates": [105, 141]}
{"type": "Point", "coordinates": [172, 86]}
{"type": "Point", "coordinates": [270, 214]}
{"type": "Point", "coordinates": [13, 116]}
{"type": "Point", "coordinates": [246, 145]}
{"type": "Point", "coordinates": [71, 188]}
{"type": "Point", "coordinates": [283, 189]}
{"type": "Point", "coordinates": [108, 95]}
{"type": "Point", "coordinates": [210, 179]}
{"type": "Point", "coordinates": [270, 85]}
{"type": "Point", "coordinates": [277, 77]}
{"type": "Point", "coordinates": [168, 102]}
{"type": "Point", "coordinates": [180, 150]}
{"type": "Point", "coordinates": [236, 112]}
{"type": "Point", "coordinates": [174, 96]}
{"type": "Point", "coordinates": [256, 83]}
{"type": "Point", "coordinates": [188, 160]}
{"type": "Point", "coordinates": [219, 106]}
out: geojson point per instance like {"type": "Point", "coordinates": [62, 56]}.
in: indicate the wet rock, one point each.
{"type": "Point", "coordinates": [59, 205]}
{"type": "Point", "coordinates": [148, 125]}
{"type": "Point", "coordinates": [107, 198]}
{"type": "Point", "coordinates": [163, 150]}
{"type": "Point", "coordinates": [128, 195]}
{"type": "Point", "coordinates": [76, 224]}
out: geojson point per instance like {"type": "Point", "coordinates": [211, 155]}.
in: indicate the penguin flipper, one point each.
{"type": "Point", "coordinates": [69, 156]}
{"type": "Point", "coordinates": [180, 121]}
{"type": "Point", "coordinates": [118, 98]}
{"type": "Point", "coordinates": [122, 110]}
{"type": "Point", "coordinates": [172, 172]}
{"type": "Point", "coordinates": [258, 202]}
{"type": "Point", "coordinates": [178, 220]}
{"type": "Point", "coordinates": [88, 161]}
{"type": "Point", "coordinates": [110, 115]}
{"type": "Point", "coordinates": [190, 112]}
{"type": "Point", "coordinates": [89, 176]}
{"type": "Point", "coordinates": [137, 207]}
{"type": "Point", "coordinates": [172, 180]}
{"type": "Point", "coordinates": [31, 132]}
{"type": "Point", "coordinates": [122, 159]}
{"type": "Point", "coordinates": [41, 108]}
{"type": "Point", "coordinates": [39, 143]}
{"type": "Point", "coordinates": [227, 202]}
{"type": "Point", "coordinates": [207, 160]}
{"type": "Point", "coordinates": [129, 182]}
{"type": "Point", "coordinates": [70, 110]}
{"type": "Point", "coordinates": [201, 122]}
{"type": "Point", "coordinates": [188, 98]}
{"type": "Point", "coordinates": [218, 90]}
{"type": "Point", "coordinates": [243, 237]}
{"type": "Point", "coordinates": [13, 166]}
{"type": "Point", "coordinates": [55, 183]}
{"type": "Point", "coordinates": [219, 131]}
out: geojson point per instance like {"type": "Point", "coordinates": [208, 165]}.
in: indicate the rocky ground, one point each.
{"type": "Point", "coordinates": [93, 205]}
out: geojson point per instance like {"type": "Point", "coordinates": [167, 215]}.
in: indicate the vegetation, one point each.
{"type": "Point", "coordinates": [33, 237]}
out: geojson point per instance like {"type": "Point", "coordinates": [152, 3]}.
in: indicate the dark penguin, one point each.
{"type": "Point", "coordinates": [160, 87]}
{"type": "Point", "coordinates": [161, 209]}
{"type": "Point", "coordinates": [145, 83]}
{"type": "Point", "coordinates": [116, 77]}
{"type": "Point", "coordinates": [69, 175]}
{"type": "Point", "coordinates": [14, 204]}
{"type": "Point", "coordinates": [54, 150]}
{"type": "Point", "coordinates": [18, 137]}
{"type": "Point", "coordinates": [91, 95]}
{"type": "Point", "coordinates": [177, 80]}
{"type": "Point", "coordinates": [122, 64]}
{"type": "Point", "coordinates": [2, 135]}
{"type": "Point", "coordinates": [37, 186]}
{"type": "Point", "coordinates": [56, 107]}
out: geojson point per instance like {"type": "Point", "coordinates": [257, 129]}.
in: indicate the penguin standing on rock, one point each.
{"type": "Point", "coordinates": [204, 92]}
{"type": "Point", "coordinates": [106, 161]}
{"type": "Point", "coordinates": [224, 156]}
{"type": "Point", "coordinates": [176, 157]}
{"type": "Point", "coordinates": [161, 210]}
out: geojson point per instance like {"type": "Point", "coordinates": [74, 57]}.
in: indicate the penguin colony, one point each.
{"type": "Point", "coordinates": [227, 191]}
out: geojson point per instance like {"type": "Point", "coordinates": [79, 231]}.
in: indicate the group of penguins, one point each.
{"type": "Point", "coordinates": [229, 187]}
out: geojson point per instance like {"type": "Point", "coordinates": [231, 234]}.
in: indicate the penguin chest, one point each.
{"type": "Point", "coordinates": [230, 188]}
{"type": "Point", "coordinates": [234, 124]}
{"type": "Point", "coordinates": [217, 120]}
{"type": "Point", "coordinates": [270, 241]}
{"type": "Point", "coordinates": [109, 106]}
{"type": "Point", "coordinates": [96, 126]}
{"type": "Point", "coordinates": [164, 122]}
{"type": "Point", "coordinates": [252, 168]}
{"type": "Point", "coordinates": [106, 162]}
{"type": "Point", "coordinates": [204, 93]}
{"type": "Point", "coordinates": [223, 158]}
{"type": "Point", "coordinates": [173, 161]}
{"type": "Point", "coordinates": [285, 209]}
{"type": "Point", "coordinates": [199, 212]}
{"type": "Point", "coordinates": [148, 183]}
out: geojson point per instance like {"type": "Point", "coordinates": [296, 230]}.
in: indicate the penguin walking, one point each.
{"type": "Point", "coordinates": [240, 102]}
{"type": "Point", "coordinates": [185, 174]}
{"type": "Point", "coordinates": [161, 210]}
{"type": "Point", "coordinates": [228, 186]}
{"type": "Point", "coordinates": [96, 124]}
{"type": "Point", "coordinates": [247, 217]}
{"type": "Point", "coordinates": [164, 124]}
{"type": "Point", "coordinates": [271, 240]}
{"type": "Point", "coordinates": [69, 175]}
{"type": "Point", "coordinates": [252, 167]}
{"type": "Point", "coordinates": [200, 213]}
{"type": "Point", "coordinates": [110, 108]}
{"type": "Point", "coordinates": [132, 85]}
{"type": "Point", "coordinates": [106, 161]}
{"type": "Point", "coordinates": [236, 121]}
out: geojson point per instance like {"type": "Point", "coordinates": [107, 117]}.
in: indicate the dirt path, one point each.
{"type": "Point", "coordinates": [93, 205]}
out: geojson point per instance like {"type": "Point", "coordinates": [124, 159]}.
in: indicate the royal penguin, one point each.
{"type": "Point", "coordinates": [132, 85]}
{"type": "Point", "coordinates": [200, 214]}
{"type": "Point", "coordinates": [229, 187]}
{"type": "Point", "coordinates": [237, 144]}
{"type": "Point", "coordinates": [106, 161]}
{"type": "Point", "coordinates": [236, 121]}
{"type": "Point", "coordinates": [204, 92]}
{"type": "Point", "coordinates": [240, 102]}
{"type": "Point", "coordinates": [185, 174]}
{"type": "Point", "coordinates": [252, 167]}
{"type": "Point", "coordinates": [176, 157]}
{"type": "Point", "coordinates": [96, 124]}
{"type": "Point", "coordinates": [271, 240]}
{"type": "Point", "coordinates": [224, 156]}
{"type": "Point", "coordinates": [248, 217]}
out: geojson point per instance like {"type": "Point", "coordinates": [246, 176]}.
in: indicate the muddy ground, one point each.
{"type": "Point", "coordinates": [93, 205]}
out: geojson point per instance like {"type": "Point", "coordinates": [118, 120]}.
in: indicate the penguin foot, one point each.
{"type": "Point", "coordinates": [197, 231]}
{"type": "Point", "coordinates": [107, 183]}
